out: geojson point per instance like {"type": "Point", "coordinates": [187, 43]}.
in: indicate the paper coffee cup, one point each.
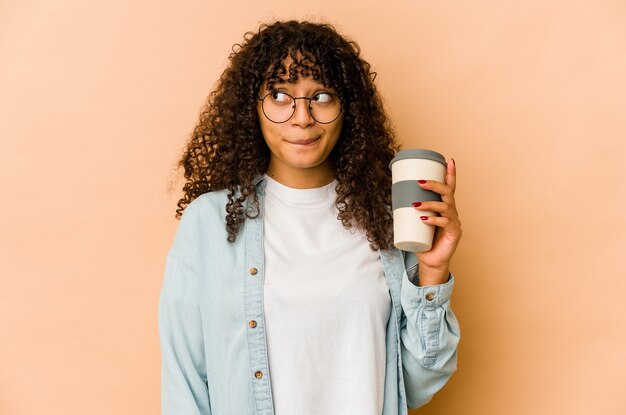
{"type": "Point", "coordinates": [410, 233]}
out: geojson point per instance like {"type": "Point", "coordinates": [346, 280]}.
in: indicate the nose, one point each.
{"type": "Point", "coordinates": [302, 114]}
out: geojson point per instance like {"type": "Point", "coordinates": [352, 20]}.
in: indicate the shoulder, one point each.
{"type": "Point", "coordinates": [201, 225]}
{"type": "Point", "coordinates": [205, 205]}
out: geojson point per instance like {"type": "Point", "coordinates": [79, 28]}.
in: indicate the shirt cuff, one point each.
{"type": "Point", "coordinates": [429, 296]}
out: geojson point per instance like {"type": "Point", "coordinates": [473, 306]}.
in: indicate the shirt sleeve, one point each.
{"type": "Point", "coordinates": [184, 387]}
{"type": "Point", "coordinates": [429, 336]}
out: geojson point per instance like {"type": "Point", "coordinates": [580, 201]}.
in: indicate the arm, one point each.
{"type": "Point", "coordinates": [430, 333]}
{"type": "Point", "coordinates": [429, 337]}
{"type": "Point", "coordinates": [184, 388]}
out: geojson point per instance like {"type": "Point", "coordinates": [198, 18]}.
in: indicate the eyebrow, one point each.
{"type": "Point", "coordinates": [280, 83]}
{"type": "Point", "coordinates": [283, 83]}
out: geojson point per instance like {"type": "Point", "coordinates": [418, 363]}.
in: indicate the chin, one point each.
{"type": "Point", "coordinates": [304, 163]}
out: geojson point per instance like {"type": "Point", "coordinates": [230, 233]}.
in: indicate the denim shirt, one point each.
{"type": "Point", "coordinates": [212, 330]}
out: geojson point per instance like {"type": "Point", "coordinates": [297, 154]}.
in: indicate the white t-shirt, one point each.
{"type": "Point", "coordinates": [326, 305]}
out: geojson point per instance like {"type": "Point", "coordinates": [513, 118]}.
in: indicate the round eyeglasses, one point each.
{"type": "Point", "coordinates": [279, 107]}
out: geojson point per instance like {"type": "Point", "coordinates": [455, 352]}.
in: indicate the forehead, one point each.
{"type": "Point", "coordinates": [295, 69]}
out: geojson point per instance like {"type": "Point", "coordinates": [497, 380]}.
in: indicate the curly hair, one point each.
{"type": "Point", "coordinates": [226, 149]}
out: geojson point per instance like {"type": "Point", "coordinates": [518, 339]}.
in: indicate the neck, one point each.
{"type": "Point", "coordinates": [297, 178]}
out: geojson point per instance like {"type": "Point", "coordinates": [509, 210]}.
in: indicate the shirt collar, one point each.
{"type": "Point", "coordinates": [259, 182]}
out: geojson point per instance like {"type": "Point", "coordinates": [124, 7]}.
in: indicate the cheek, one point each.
{"type": "Point", "coordinates": [263, 123]}
{"type": "Point", "coordinates": [271, 132]}
{"type": "Point", "coordinates": [261, 118]}
{"type": "Point", "coordinates": [336, 131]}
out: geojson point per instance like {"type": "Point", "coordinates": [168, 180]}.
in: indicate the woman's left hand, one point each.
{"type": "Point", "coordinates": [434, 264]}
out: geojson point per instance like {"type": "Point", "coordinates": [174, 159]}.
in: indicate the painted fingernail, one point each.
{"type": "Point", "coordinates": [421, 181]}
{"type": "Point", "coordinates": [416, 204]}
{"type": "Point", "coordinates": [423, 217]}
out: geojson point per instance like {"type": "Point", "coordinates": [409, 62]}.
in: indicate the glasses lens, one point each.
{"type": "Point", "coordinates": [279, 107]}
{"type": "Point", "coordinates": [325, 107]}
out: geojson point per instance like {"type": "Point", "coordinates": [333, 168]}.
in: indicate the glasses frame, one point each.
{"type": "Point", "coordinates": [295, 103]}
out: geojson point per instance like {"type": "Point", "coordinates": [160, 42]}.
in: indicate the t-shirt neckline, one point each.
{"type": "Point", "coordinates": [292, 194]}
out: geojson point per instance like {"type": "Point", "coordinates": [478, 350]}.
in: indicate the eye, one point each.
{"type": "Point", "coordinates": [323, 97]}
{"type": "Point", "coordinates": [280, 97]}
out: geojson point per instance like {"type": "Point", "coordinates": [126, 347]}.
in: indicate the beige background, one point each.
{"type": "Point", "coordinates": [97, 99]}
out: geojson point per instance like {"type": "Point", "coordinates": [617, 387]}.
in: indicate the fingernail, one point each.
{"type": "Point", "coordinates": [421, 181]}
{"type": "Point", "coordinates": [423, 217]}
{"type": "Point", "coordinates": [454, 162]}
{"type": "Point", "coordinates": [416, 204]}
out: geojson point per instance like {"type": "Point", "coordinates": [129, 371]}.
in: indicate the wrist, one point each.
{"type": "Point", "coordinates": [432, 275]}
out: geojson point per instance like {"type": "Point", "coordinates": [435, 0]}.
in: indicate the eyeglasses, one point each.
{"type": "Point", "coordinates": [279, 107]}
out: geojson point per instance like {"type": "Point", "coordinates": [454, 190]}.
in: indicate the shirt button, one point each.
{"type": "Point", "coordinates": [253, 271]}
{"type": "Point", "coordinates": [430, 296]}
{"type": "Point", "coordinates": [258, 374]}
{"type": "Point", "coordinates": [252, 323]}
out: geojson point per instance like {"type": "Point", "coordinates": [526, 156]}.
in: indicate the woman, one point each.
{"type": "Point", "coordinates": [283, 293]}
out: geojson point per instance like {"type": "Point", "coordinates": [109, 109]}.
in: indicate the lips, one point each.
{"type": "Point", "coordinates": [304, 142]}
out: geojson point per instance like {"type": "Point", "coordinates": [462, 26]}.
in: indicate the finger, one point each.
{"type": "Point", "coordinates": [451, 175]}
{"type": "Point", "coordinates": [435, 186]}
{"type": "Point", "coordinates": [443, 208]}
{"type": "Point", "coordinates": [443, 222]}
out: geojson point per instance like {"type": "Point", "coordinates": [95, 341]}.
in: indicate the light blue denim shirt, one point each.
{"type": "Point", "coordinates": [212, 329]}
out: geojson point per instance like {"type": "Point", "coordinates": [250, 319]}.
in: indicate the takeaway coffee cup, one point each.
{"type": "Point", "coordinates": [410, 233]}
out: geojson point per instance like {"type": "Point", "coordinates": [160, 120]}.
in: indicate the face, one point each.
{"type": "Point", "coordinates": [300, 146]}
